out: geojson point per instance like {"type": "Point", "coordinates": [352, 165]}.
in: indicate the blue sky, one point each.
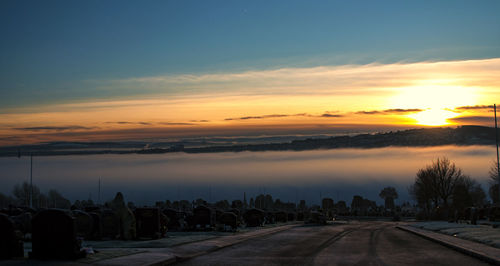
{"type": "Point", "coordinates": [53, 51]}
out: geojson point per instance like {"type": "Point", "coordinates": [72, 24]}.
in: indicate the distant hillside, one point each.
{"type": "Point", "coordinates": [463, 135]}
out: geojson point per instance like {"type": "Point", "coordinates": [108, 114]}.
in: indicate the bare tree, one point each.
{"type": "Point", "coordinates": [434, 184]}
{"type": "Point", "coordinates": [493, 189]}
{"type": "Point", "coordinates": [22, 194]}
{"type": "Point", "coordinates": [389, 194]}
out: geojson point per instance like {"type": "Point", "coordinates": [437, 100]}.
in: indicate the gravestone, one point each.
{"type": "Point", "coordinates": [110, 224]}
{"type": "Point", "coordinates": [281, 217]}
{"type": "Point", "coordinates": [148, 222]}
{"type": "Point", "coordinates": [176, 220]}
{"type": "Point", "coordinates": [163, 224]}
{"type": "Point", "coordinates": [23, 222]}
{"type": "Point", "coordinates": [316, 217]}
{"type": "Point", "coordinates": [254, 217]}
{"type": "Point", "coordinates": [203, 217]}
{"type": "Point", "coordinates": [54, 236]}
{"type": "Point", "coordinates": [84, 224]}
{"type": "Point", "coordinates": [229, 219]}
{"type": "Point", "coordinates": [96, 226]}
{"type": "Point", "coordinates": [10, 243]}
{"type": "Point", "coordinates": [126, 217]}
{"type": "Point", "coordinates": [300, 216]}
{"type": "Point", "coordinates": [270, 217]}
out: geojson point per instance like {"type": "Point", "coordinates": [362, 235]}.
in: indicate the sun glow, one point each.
{"type": "Point", "coordinates": [432, 117]}
{"type": "Point", "coordinates": [435, 96]}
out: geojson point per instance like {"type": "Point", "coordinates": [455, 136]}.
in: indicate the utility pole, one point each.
{"type": "Point", "coordinates": [210, 194]}
{"type": "Point", "coordinates": [99, 192]}
{"type": "Point", "coordinates": [496, 138]}
{"type": "Point", "coordinates": [31, 180]}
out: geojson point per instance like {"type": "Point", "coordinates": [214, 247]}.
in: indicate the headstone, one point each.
{"type": "Point", "coordinates": [281, 217]}
{"type": "Point", "coordinates": [126, 217]}
{"type": "Point", "coordinates": [317, 218]}
{"type": "Point", "coordinates": [174, 219]}
{"type": "Point", "coordinates": [270, 217]}
{"type": "Point", "coordinates": [10, 243]}
{"type": "Point", "coordinates": [84, 224]}
{"type": "Point", "coordinates": [254, 217]}
{"type": "Point", "coordinates": [110, 224]}
{"type": "Point", "coordinates": [96, 226]}
{"type": "Point", "coordinates": [218, 214]}
{"type": "Point", "coordinates": [203, 217]}
{"type": "Point", "coordinates": [473, 216]}
{"type": "Point", "coordinates": [54, 236]}
{"type": "Point", "coordinates": [300, 216]}
{"type": "Point", "coordinates": [229, 219]}
{"type": "Point", "coordinates": [148, 222]}
{"type": "Point", "coordinates": [23, 222]}
{"type": "Point", "coordinates": [163, 224]}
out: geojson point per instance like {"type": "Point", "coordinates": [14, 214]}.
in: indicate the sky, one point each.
{"type": "Point", "coordinates": [126, 70]}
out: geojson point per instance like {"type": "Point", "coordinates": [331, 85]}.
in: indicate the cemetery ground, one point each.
{"type": "Point", "coordinates": [349, 242]}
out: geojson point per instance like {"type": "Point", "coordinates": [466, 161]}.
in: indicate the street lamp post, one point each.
{"type": "Point", "coordinates": [31, 180]}
{"type": "Point", "coordinates": [496, 139]}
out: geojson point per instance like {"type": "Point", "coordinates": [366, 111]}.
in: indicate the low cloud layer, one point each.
{"type": "Point", "coordinates": [326, 114]}
{"type": "Point", "coordinates": [389, 111]}
{"type": "Point", "coordinates": [475, 107]}
{"type": "Point", "coordinates": [473, 120]}
{"type": "Point", "coordinates": [142, 179]}
{"type": "Point", "coordinates": [53, 128]}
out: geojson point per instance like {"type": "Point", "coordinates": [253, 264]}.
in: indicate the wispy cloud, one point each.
{"type": "Point", "coordinates": [130, 123]}
{"type": "Point", "coordinates": [333, 80]}
{"type": "Point", "coordinates": [390, 111]}
{"type": "Point", "coordinates": [156, 123]}
{"type": "Point", "coordinates": [475, 107]}
{"type": "Point", "coordinates": [176, 124]}
{"type": "Point", "coordinates": [331, 115]}
{"type": "Point", "coordinates": [326, 114]}
{"type": "Point", "coordinates": [260, 117]}
{"type": "Point", "coordinates": [54, 128]}
{"type": "Point", "coordinates": [473, 120]}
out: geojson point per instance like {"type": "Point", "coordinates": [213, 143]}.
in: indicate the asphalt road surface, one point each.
{"type": "Point", "coordinates": [365, 243]}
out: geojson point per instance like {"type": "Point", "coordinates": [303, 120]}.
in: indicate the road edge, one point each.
{"type": "Point", "coordinates": [450, 241]}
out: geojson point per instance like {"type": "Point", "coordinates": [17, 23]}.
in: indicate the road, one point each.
{"type": "Point", "coordinates": [362, 243]}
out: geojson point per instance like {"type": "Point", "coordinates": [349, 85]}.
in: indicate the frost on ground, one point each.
{"type": "Point", "coordinates": [485, 234]}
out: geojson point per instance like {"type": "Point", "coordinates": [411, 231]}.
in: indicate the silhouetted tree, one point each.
{"type": "Point", "coordinates": [237, 204]}
{"type": "Point", "coordinates": [6, 200]}
{"type": "Point", "coordinates": [22, 194]}
{"type": "Point", "coordinates": [327, 203]}
{"type": "Point", "coordinates": [493, 192]}
{"type": "Point", "coordinates": [435, 185]}
{"type": "Point", "coordinates": [493, 189]}
{"type": "Point", "coordinates": [389, 194]}
{"type": "Point", "coordinates": [56, 200]}
{"type": "Point", "coordinates": [264, 201]}
{"type": "Point", "coordinates": [222, 204]}
{"type": "Point", "coordinates": [341, 207]}
{"type": "Point", "coordinates": [356, 204]}
{"type": "Point", "coordinates": [468, 193]}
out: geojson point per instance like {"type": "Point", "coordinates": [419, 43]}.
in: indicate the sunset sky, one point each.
{"type": "Point", "coordinates": [118, 70]}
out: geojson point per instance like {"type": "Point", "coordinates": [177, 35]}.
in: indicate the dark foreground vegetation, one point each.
{"type": "Point", "coordinates": [56, 227]}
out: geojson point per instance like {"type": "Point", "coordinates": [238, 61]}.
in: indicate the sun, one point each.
{"type": "Point", "coordinates": [432, 117]}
